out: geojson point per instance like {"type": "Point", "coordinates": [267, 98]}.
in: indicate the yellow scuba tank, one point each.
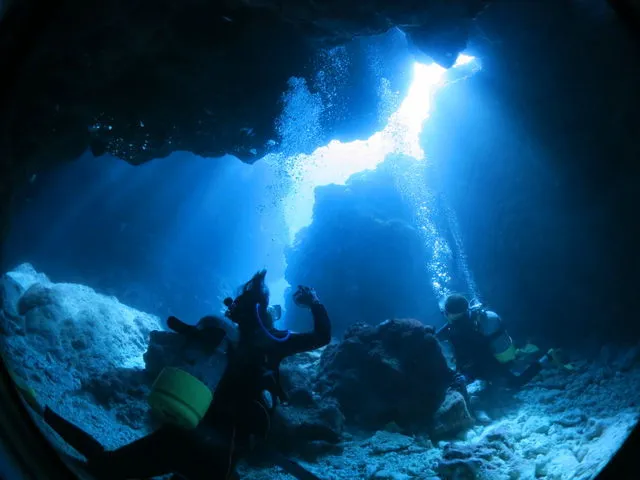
{"type": "Point", "coordinates": [179, 398]}
{"type": "Point", "coordinates": [492, 327]}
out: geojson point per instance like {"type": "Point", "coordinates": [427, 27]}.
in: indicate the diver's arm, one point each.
{"type": "Point", "coordinates": [443, 332]}
{"type": "Point", "coordinates": [319, 337]}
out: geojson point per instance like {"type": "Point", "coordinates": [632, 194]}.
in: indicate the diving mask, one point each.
{"type": "Point", "coordinates": [275, 311]}
{"type": "Point", "coordinates": [454, 317]}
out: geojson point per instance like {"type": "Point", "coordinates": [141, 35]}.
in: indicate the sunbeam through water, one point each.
{"type": "Point", "coordinates": [336, 162]}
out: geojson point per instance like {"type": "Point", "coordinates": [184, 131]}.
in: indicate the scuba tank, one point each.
{"type": "Point", "coordinates": [491, 325]}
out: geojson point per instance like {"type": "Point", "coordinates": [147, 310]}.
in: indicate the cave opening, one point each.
{"type": "Point", "coordinates": [384, 181]}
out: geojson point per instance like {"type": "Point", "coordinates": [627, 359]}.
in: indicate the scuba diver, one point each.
{"type": "Point", "coordinates": [211, 330]}
{"type": "Point", "coordinates": [241, 409]}
{"type": "Point", "coordinates": [483, 348]}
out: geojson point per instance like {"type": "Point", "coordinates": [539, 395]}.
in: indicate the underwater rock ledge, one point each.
{"type": "Point", "coordinates": [143, 80]}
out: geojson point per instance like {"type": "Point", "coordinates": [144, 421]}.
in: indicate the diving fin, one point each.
{"type": "Point", "coordinates": [28, 394]}
{"type": "Point", "coordinates": [291, 467]}
{"type": "Point", "coordinates": [529, 349]}
{"type": "Point", "coordinates": [179, 326]}
{"type": "Point", "coordinates": [205, 334]}
{"type": "Point", "coordinates": [268, 454]}
{"type": "Point", "coordinates": [73, 435]}
{"type": "Point", "coordinates": [557, 357]}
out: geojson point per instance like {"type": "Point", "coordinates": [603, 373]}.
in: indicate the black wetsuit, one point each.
{"type": "Point", "coordinates": [237, 412]}
{"type": "Point", "coordinates": [475, 358]}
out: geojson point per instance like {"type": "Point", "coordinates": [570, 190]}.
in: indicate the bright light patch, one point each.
{"type": "Point", "coordinates": [337, 161]}
{"type": "Point", "coordinates": [463, 60]}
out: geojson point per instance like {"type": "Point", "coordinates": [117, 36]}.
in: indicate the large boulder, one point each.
{"type": "Point", "coordinates": [10, 292]}
{"type": "Point", "coordinates": [13, 284]}
{"type": "Point", "coordinates": [309, 424]}
{"type": "Point", "coordinates": [81, 352]}
{"type": "Point", "coordinates": [393, 372]}
{"type": "Point", "coordinates": [65, 333]}
{"type": "Point", "coordinates": [299, 373]}
{"type": "Point", "coordinates": [308, 430]}
{"type": "Point", "coordinates": [452, 417]}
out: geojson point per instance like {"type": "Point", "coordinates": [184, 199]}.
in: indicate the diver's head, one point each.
{"type": "Point", "coordinates": [230, 303]}
{"type": "Point", "coordinates": [456, 307]}
{"type": "Point", "coordinates": [253, 299]}
{"type": "Point", "coordinates": [275, 313]}
{"type": "Point", "coordinates": [251, 311]}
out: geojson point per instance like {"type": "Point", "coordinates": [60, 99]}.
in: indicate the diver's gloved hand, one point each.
{"type": "Point", "coordinates": [305, 296]}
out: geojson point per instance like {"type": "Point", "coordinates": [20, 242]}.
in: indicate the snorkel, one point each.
{"type": "Point", "coordinates": [266, 330]}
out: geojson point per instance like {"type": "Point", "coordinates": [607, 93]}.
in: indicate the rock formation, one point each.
{"type": "Point", "coordinates": [391, 373]}
{"type": "Point", "coordinates": [362, 254]}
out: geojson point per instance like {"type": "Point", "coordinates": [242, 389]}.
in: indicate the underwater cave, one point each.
{"type": "Point", "coordinates": [456, 182]}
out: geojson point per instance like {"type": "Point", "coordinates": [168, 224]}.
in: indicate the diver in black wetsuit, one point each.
{"type": "Point", "coordinates": [482, 346]}
{"type": "Point", "coordinates": [242, 405]}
